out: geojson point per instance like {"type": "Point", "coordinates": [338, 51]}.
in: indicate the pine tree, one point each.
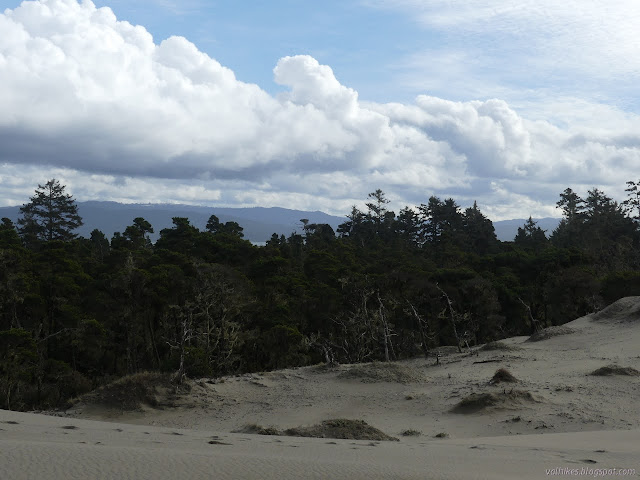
{"type": "Point", "coordinates": [50, 215]}
{"type": "Point", "coordinates": [530, 235]}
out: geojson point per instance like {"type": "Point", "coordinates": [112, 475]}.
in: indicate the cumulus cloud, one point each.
{"type": "Point", "coordinates": [98, 102]}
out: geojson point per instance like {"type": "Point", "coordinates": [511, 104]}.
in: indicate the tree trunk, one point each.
{"type": "Point", "coordinates": [452, 317]}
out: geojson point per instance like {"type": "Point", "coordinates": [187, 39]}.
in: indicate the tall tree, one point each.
{"type": "Point", "coordinates": [571, 204]}
{"type": "Point", "coordinates": [442, 220]}
{"type": "Point", "coordinates": [569, 231]}
{"type": "Point", "coordinates": [632, 203]}
{"type": "Point", "coordinates": [530, 235]}
{"type": "Point", "coordinates": [353, 226]}
{"type": "Point", "coordinates": [138, 233]}
{"type": "Point", "coordinates": [479, 230]}
{"type": "Point", "coordinates": [377, 208]}
{"type": "Point", "coordinates": [50, 215]}
{"type": "Point", "coordinates": [230, 228]}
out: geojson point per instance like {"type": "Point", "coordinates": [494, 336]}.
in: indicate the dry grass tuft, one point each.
{"type": "Point", "coordinates": [131, 392]}
{"type": "Point", "coordinates": [258, 430]}
{"type": "Point", "coordinates": [481, 401]}
{"type": "Point", "coordinates": [550, 332]}
{"type": "Point", "coordinates": [382, 372]}
{"type": "Point", "coordinates": [498, 346]}
{"type": "Point", "coordinates": [502, 375]}
{"type": "Point", "coordinates": [615, 370]}
{"type": "Point", "coordinates": [338, 428]}
{"type": "Point", "coordinates": [341, 428]}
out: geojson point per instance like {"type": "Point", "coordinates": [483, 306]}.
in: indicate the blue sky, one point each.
{"type": "Point", "coordinates": [361, 44]}
{"type": "Point", "coordinates": [314, 104]}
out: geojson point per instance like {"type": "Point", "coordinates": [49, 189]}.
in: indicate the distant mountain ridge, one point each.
{"type": "Point", "coordinates": [259, 223]}
{"type": "Point", "coordinates": [506, 230]}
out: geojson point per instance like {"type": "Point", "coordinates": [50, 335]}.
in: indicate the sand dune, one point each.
{"type": "Point", "coordinates": [557, 417]}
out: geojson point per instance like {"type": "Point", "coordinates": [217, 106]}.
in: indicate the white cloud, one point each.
{"type": "Point", "coordinates": [519, 49]}
{"type": "Point", "coordinates": [98, 104]}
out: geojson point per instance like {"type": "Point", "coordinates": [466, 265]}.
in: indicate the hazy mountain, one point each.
{"type": "Point", "coordinates": [259, 223]}
{"type": "Point", "coordinates": [506, 230]}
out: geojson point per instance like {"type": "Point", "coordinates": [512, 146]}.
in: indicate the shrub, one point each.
{"type": "Point", "coordinates": [502, 375]}
{"type": "Point", "coordinates": [615, 370]}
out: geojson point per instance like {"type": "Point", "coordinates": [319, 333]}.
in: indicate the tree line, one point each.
{"type": "Point", "coordinates": [78, 312]}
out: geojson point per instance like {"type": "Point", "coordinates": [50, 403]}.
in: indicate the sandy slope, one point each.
{"type": "Point", "coordinates": [565, 418]}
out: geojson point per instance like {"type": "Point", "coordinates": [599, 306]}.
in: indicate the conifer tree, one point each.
{"type": "Point", "coordinates": [50, 215]}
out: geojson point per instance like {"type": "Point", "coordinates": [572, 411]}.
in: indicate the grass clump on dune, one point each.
{"type": "Point", "coordinates": [497, 346]}
{"type": "Point", "coordinates": [502, 375]}
{"type": "Point", "coordinates": [382, 372]}
{"type": "Point", "coordinates": [550, 332]}
{"type": "Point", "coordinates": [256, 429]}
{"type": "Point", "coordinates": [615, 370]}
{"type": "Point", "coordinates": [131, 392]}
{"type": "Point", "coordinates": [338, 428]}
{"type": "Point", "coordinates": [480, 401]}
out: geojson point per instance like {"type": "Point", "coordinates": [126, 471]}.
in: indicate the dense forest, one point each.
{"type": "Point", "coordinates": [76, 312]}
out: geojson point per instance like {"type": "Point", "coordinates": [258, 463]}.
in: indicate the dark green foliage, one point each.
{"type": "Point", "coordinates": [17, 365]}
{"type": "Point", "coordinates": [76, 313]}
{"type": "Point", "coordinates": [530, 236]}
{"type": "Point", "coordinates": [8, 234]}
{"type": "Point", "coordinates": [50, 215]}
{"type": "Point", "coordinates": [229, 228]}
{"type": "Point", "coordinates": [620, 284]}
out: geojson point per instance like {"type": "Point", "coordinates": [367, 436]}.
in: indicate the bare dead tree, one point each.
{"type": "Point", "coordinates": [326, 347]}
{"type": "Point", "coordinates": [452, 316]}
{"type": "Point", "coordinates": [535, 322]}
{"type": "Point", "coordinates": [386, 331]}
{"type": "Point", "coordinates": [185, 335]}
{"type": "Point", "coordinates": [354, 338]}
{"type": "Point", "coordinates": [423, 326]}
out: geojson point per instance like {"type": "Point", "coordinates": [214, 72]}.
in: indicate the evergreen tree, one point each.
{"type": "Point", "coordinates": [571, 204]}
{"type": "Point", "coordinates": [213, 225]}
{"type": "Point", "coordinates": [530, 235]}
{"type": "Point", "coordinates": [442, 220]}
{"type": "Point", "coordinates": [50, 215]}
{"type": "Point", "coordinates": [377, 209]}
{"type": "Point", "coordinates": [632, 203]}
{"type": "Point", "coordinates": [8, 234]}
{"type": "Point", "coordinates": [353, 226]}
{"type": "Point", "coordinates": [408, 225]}
{"type": "Point", "coordinates": [480, 232]}
{"type": "Point", "coordinates": [569, 231]}
{"type": "Point", "coordinates": [230, 228]}
{"type": "Point", "coordinates": [138, 233]}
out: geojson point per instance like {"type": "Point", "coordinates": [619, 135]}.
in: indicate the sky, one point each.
{"type": "Point", "coordinates": [313, 105]}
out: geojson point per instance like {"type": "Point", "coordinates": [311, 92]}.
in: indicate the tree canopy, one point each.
{"type": "Point", "coordinates": [75, 311]}
{"type": "Point", "coordinates": [51, 214]}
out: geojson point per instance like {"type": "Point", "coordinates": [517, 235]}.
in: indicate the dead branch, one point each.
{"type": "Point", "coordinates": [452, 317]}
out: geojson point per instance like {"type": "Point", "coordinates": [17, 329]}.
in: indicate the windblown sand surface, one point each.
{"type": "Point", "coordinates": [453, 420]}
